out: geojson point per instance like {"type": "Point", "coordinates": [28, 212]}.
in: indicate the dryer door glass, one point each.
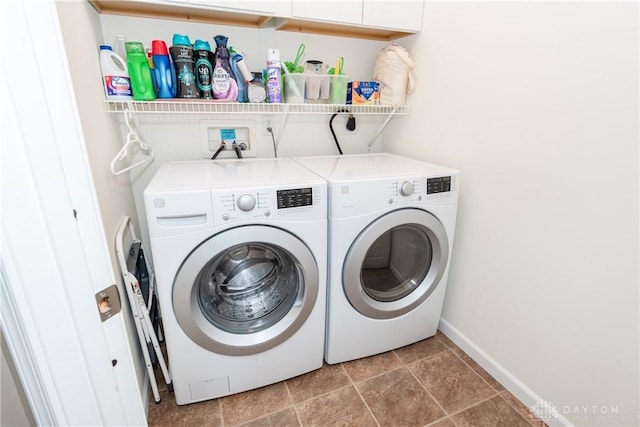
{"type": "Point", "coordinates": [396, 263]}
{"type": "Point", "coordinates": [248, 287]}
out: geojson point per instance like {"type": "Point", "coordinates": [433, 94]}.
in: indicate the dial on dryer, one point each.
{"type": "Point", "coordinates": [407, 188]}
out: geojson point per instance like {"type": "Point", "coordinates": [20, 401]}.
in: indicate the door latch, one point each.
{"type": "Point", "coordinates": [108, 302]}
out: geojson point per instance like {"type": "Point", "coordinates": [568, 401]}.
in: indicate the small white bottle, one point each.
{"type": "Point", "coordinates": [119, 48]}
{"type": "Point", "coordinates": [115, 77]}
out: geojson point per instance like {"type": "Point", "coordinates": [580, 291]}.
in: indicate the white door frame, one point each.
{"type": "Point", "coordinates": [54, 255]}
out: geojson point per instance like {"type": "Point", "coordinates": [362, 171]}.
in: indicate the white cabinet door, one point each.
{"type": "Point", "coordinates": [344, 11]}
{"type": "Point", "coordinates": [264, 7]}
{"type": "Point", "coordinates": [401, 15]}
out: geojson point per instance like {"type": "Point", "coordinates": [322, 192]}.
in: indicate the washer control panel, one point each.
{"type": "Point", "coordinates": [305, 202]}
{"type": "Point", "coordinates": [440, 184]}
{"type": "Point", "coordinates": [294, 198]}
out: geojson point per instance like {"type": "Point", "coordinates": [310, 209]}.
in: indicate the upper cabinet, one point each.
{"type": "Point", "coordinates": [260, 7]}
{"type": "Point", "coordinates": [342, 12]}
{"type": "Point", "coordinates": [367, 19]}
{"type": "Point", "coordinates": [403, 15]}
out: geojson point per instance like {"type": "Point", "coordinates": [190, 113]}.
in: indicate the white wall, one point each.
{"type": "Point", "coordinates": [537, 104]}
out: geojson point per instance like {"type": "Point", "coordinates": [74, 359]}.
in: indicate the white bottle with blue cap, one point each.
{"type": "Point", "coordinates": [115, 77]}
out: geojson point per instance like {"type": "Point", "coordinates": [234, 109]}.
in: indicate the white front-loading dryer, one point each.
{"type": "Point", "coordinates": [239, 249]}
{"type": "Point", "coordinates": [391, 228]}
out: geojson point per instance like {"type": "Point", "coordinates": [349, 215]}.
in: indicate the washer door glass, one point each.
{"type": "Point", "coordinates": [248, 287]}
{"type": "Point", "coordinates": [395, 263]}
{"type": "Point", "coordinates": [245, 290]}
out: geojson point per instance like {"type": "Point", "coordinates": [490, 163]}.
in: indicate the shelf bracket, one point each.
{"type": "Point", "coordinates": [384, 125]}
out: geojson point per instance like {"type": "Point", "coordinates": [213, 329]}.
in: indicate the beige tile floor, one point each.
{"type": "Point", "coordinates": [429, 383]}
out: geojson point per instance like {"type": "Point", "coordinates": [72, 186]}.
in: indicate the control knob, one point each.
{"type": "Point", "coordinates": [407, 188]}
{"type": "Point", "coordinates": [246, 202]}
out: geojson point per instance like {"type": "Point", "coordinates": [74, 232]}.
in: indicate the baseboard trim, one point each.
{"type": "Point", "coordinates": [509, 381]}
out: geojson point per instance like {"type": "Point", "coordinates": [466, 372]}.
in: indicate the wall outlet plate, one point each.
{"type": "Point", "coordinates": [212, 133]}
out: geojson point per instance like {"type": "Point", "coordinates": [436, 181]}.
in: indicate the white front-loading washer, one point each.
{"type": "Point", "coordinates": [391, 229]}
{"type": "Point", "coordinates": [239, 249]}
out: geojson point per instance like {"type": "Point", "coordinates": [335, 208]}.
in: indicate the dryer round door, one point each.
{"type": "Point", "coordinates": [395, 263]}
{"type": "Point", "coordinates": [245, 290]}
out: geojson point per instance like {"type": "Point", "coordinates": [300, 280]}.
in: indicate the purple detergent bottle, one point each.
{"type": "Point", "coordinates": [224, 81]}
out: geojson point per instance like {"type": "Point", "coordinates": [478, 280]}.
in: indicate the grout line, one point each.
{"type": "Point", "coordinates": [529, 419]}
{"type": "Point", "coordinates": [480, 402]}
{"type": "Point", "coordinates": [424, 386]}
{"type": "Point", "coordinates": [475, 372]}
{"type": "Point", "coordinates": [360, 394]}
{"type": "Point", "coordinates": [295, 408]}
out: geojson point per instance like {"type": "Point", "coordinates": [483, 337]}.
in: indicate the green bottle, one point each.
{"type": "Point", "coordinates": [139, 72]}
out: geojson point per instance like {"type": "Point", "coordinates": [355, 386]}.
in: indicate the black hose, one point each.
{"type": "Point", "coordinates": [237, 149]}
{"type": "Point", "coordinates": [222, 146]}
{"type": "Point", "coordinates": [335, 138]}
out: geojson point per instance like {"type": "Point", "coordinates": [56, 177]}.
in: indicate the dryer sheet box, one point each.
{"type": "Point", "coordinates": [363, 93]}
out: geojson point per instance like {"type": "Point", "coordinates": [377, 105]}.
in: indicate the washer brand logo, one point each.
{"type": "Point", "coordinates": [159, 203]}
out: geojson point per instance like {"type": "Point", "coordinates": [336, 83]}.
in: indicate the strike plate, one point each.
{"type": "Point", "coordinates": [108, 301]}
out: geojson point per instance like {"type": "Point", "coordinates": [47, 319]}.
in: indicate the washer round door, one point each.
{"type": "Point", "coordinates": [245, 290]}
{"type": "Point", "coordinates": [395, 263]}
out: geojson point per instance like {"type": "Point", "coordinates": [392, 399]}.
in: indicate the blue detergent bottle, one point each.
{"type": "Point", "coordinates": [164, 74]}
{"type": "Point", "coordinates": [236, 62]}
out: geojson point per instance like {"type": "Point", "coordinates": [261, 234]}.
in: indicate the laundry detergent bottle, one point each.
{"type": "Point", "coordinates": [182, 55]}
{"type": "Point", "coordinates": [139, 72]}
{"type": "Point", "coordinates": [204, 68]}
{"type": "Point", "coordinates": [224, 81]}
{"type": "Point", "coordinates": [163, 71]}
{"type": "Point", "coordinates": [238, 66]}
{"type": "Point", "coordinates": [117, 84]}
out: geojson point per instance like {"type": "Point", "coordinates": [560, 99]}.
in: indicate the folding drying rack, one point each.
{"type": "Point", "coordinates": [135, 262]}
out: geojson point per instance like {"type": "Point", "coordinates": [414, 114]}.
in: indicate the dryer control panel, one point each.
{"type": "Point", "coordinates": [293, 203]}
{"type": "Point", "coordinates": [352, 198]}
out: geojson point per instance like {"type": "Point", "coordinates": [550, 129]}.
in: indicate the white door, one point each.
{"type": "Point", "coordinates": [75, 369]}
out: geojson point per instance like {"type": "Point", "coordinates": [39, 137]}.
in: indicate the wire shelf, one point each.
{"type": "Point", "coordinates": [214, 107]}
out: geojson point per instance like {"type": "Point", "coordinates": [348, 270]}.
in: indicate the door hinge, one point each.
{"type": "Point", "coordinates": [108, 302]}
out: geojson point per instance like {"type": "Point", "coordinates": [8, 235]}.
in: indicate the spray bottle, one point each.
{"type": "Point", "coordinates": [274, 78]}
